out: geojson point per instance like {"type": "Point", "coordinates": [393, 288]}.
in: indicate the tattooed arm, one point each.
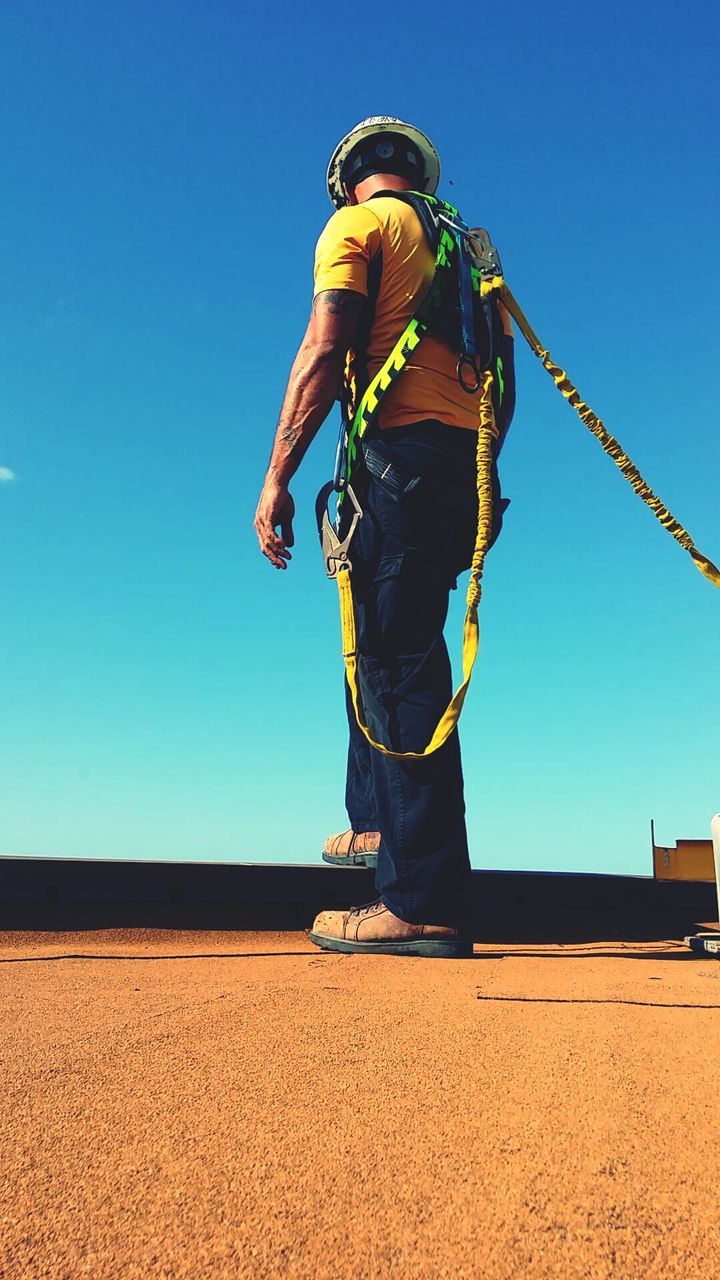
{"type": "Point", "coordinates": [313, 386]}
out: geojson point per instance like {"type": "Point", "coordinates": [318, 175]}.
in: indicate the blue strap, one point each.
{"type": "Point", "coordinates": [468, 346]}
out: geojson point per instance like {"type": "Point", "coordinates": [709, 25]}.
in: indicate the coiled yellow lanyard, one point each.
{"type": "Point", "coordinates": [471, 628]}
{"type": "Point", "coordinates": [486, 433]}
{"type": "Point", "coordinates": [611, 446]}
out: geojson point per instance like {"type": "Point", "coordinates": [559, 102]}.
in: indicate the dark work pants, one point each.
{"type": "Point", "coordinates": [407, 551]}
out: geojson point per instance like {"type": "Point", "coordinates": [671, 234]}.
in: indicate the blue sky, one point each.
{"type": "Point", "coordinates": [166, 694]}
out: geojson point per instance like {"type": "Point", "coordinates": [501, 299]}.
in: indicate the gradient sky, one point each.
{"type": "Point", "coordinates": [165, 693]}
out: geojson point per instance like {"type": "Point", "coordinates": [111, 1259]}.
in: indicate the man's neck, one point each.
{"type": "Point", "coordinates": [381, 182]}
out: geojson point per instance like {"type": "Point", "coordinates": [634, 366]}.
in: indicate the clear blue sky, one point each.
{"type": "Point", "coordinates": [165, 693]}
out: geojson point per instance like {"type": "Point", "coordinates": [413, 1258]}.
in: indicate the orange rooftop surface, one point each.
{"type": "Point", "coordinates": [210, 1104]}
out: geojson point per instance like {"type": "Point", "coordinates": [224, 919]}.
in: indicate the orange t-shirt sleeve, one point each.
{"type": "Point", "coordinates": [348, 243]}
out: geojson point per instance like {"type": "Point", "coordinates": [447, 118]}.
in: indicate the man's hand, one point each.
{"type": "Point", "coordinates": [315, 382]}
{"type": "Point", "coordinates": [275, 508]}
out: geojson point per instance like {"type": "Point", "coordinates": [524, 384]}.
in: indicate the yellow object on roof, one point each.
{"type": "Point", "coordinates": [688, 860]}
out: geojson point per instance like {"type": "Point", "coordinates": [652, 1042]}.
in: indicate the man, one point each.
{"type": "Point", "coordinates": [417, 487]}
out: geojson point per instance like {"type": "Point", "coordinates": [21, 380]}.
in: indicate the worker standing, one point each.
{"type": "Point", "coordinates": [415, 480]}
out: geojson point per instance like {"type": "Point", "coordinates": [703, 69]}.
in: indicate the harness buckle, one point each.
{"type": "Point", "coordinates": [487, 258]}
{"type": "Point", "coordinates": [335, 550]}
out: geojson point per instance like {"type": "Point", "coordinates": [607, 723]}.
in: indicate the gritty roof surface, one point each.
{"type": "Point", "coordinates": [244, 1105]}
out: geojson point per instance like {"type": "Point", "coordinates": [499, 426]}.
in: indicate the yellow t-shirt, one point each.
{"type": "Point", "coordinates": [428, 386]}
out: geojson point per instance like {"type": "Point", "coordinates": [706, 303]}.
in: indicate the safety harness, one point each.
{"type": "Point", "coordinates": [468, 257]}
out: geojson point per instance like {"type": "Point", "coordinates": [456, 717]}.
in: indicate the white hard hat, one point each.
{"type": "Point", "coordinates": [376, 125]}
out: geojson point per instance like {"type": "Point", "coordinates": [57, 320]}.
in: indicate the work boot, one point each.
{"type": "Point", "coordinates": [374, 929]}
{"type": "Point", "coordinates": [353, 849]}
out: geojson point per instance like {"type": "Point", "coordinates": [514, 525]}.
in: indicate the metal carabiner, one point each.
{"type": "Point", "coordinates": [335, 550]}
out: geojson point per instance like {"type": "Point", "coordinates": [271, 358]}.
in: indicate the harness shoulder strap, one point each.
{"type": "Point", "coordinates": [423, 207]}
{"type": "Point", "coordinates": [368, 405]}
{"type": "Point", "coordinates": [357, 371]}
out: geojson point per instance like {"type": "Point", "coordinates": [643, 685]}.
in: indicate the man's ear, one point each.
{"type": "Point", "coordinates": [349, 194]}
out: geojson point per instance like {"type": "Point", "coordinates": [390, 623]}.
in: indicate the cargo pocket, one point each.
{"type": "Point", "coordinates": [374, 684]}
{"type": "Point", "coordinates": [382, 605]}
{"type": "Point", "coordinates": [403, 698]}
{"type": "Point", "coordinates": [405, 605]}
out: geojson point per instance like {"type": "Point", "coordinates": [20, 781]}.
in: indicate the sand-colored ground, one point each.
{"type": "Point", "coordinates": [243, 1105]}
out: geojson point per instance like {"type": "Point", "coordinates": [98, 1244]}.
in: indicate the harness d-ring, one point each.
{"type": "Point", "coordinates": [468, 361]}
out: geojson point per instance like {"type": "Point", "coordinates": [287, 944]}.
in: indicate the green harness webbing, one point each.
{"type": "Point", "coordinates": [364, 417]}
{"type": "Point", "coordinates": [367, 409]}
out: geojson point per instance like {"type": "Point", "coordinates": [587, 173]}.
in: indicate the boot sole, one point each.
{"type": "Point", "coordinates": [428, 947]}
{"type": "Point", "coordinates": [368, 860]}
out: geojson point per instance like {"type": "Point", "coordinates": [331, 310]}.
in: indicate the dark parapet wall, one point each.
{"type": "Point", "coordinates": [59, 894]}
